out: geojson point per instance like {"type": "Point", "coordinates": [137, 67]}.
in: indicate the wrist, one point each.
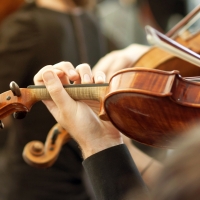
{"type": "Point", "coordinates": [99, 145]}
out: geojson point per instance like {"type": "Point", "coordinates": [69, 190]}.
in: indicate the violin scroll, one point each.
{"type": "Point", "coordinates": [42, 155]}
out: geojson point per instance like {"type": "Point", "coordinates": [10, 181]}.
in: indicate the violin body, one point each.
{"type": "Point", "coordinates": [157, 58]}
{"type": "Point", "coordinates": [152, 106]}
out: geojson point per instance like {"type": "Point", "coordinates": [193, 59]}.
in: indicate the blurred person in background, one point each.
{"type": "Point", "coordinates": [7, 8]}
{"type": "Point", "coordinates": [44, 32]}
{"type": "Point", "coordinates": [180, 177]}
{"type": "Point", "coordinates": [123, 21]}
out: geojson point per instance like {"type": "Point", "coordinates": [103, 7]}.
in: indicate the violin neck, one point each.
{"type": "Point", "coordinates": [76, 92]}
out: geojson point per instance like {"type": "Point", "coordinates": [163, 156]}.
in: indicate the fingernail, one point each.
{"type": "Point", "coordinates": [100, 78]}
{"type": "Point", "coordinates": [86, 78]}
{"type": "Point", "coordinates": [72, 72]}
{"type": "Point", "coordinates": [48, 75]}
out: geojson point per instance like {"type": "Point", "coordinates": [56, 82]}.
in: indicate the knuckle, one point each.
{"type": "Point", "coordinates": [54, 89]}
{"type": "Point", "coordinates": [63, 64]}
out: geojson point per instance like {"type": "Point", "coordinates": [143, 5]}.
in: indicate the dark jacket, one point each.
{"type": "Point", "coordinates": [114, 175]}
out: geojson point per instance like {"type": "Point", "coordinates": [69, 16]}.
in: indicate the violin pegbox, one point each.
{"type": "Point", "coordinates": [16, 101]}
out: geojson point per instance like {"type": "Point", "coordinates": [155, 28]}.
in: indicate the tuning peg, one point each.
{"type": "Point", "coordinates": [15, 89]}
{"type": "Point", "coordinates": [19, 115]}
{"type": "Point", "coordinates": [1, 125]}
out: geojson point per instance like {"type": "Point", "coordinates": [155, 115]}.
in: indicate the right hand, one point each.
{"type": "Point", "coordinates": [119, 59]}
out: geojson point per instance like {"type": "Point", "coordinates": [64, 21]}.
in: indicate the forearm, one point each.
{"type": "Point", "coordinates": [113, 174]}
{"type": "Point", "coordinates": [147, 166]}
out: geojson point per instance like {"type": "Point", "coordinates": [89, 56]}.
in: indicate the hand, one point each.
{"type": "Point", "coordinates": [92, 134]}
{"type": "Point", "coordinates": [120, 59]}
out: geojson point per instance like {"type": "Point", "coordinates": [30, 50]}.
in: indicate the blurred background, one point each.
{"type": "Point", "coordinates": [120, 23]}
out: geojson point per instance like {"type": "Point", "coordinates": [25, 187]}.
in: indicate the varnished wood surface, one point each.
{"type": "Point", "coordinates": [156, 58]}
{"type": "Point", "coordinates": [42, 155]}
{"type": "Point", "coordinates": [155, 82]}
{"type": "Point", "coordinates": [153, 111]}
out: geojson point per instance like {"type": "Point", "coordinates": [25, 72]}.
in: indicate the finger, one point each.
{"type": "Point", "coordinates": [68, 69]}
{"type": "Point", "coordinates": [38, 77]}
{"type": "Point", "coordinates": [85, 73]}
{"type": "Point", "coordinates": [99, 77]}
{"type": "Point", "coordinates": [38, 80]}
{"type": "Point", "coordinates": [57, 93]}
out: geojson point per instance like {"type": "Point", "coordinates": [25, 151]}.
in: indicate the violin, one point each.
{"type": "Point", "coordinates": [156, 105]}
{"type": "Point", "coordinates": [132, 98]}
{"type": "Point", "coordinates": [184, 33]}
{"type": "Point", "coordinates": [148, 105]}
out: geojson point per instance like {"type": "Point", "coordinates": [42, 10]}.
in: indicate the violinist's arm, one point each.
{"type": "Point", "coordinates": [107, 161]}
{"type": "Point", "coordinates": [148, 167]}
{"type": "Point", "coordinates": [120, 59]}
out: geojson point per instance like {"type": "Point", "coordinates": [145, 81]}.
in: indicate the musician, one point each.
{"type": "Point", "coordinates": [99, 141]}
{"type": "Point", "coordinates": [107, 161]}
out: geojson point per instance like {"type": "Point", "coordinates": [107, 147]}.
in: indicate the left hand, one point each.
{"type": "Point", "coordinates": [91, 133]}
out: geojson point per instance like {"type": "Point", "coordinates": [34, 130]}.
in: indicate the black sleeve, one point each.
{"type": "Point", "coordinates": [18, 42]}
{"type": "Point", "coordinates": [114, 175]}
